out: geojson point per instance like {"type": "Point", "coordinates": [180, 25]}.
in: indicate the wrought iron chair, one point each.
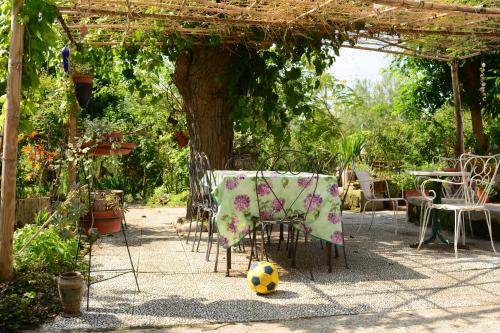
{"type": "Point", "coordinates": [284, 162]}
{"type": "Point", "coordinates": [239, 162]}
{"type": "Point", "coordinates": [367, 186]}
{"type": "Point", "coordinates": [476, 171]}
{"type": "Point", "coordinates": [196, 200]}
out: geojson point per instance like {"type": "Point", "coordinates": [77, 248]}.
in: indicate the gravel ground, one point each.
{"type": "Point", "coordinates": [179, 287]}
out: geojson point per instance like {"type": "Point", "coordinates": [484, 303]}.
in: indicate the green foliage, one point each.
{"type": "Point", "coordinates": [54, 249]}
{"type": "Point", "coordinates": [29, 299]}
{"type": "Point", "coordinates": [271, 87]}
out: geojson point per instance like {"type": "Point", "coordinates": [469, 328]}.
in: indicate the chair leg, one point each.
{"type": "Point", "coordinates": [345, 257]}
{"type": "Point", "coordinates": [196, 229]}
{"type": "Point", "coordinates": [211, 236]}
{"type": "Point", "coordinates": [373, 216]}
{"type": "Point", "coordinates": [488, 223]}
{"type": "Point", "coordinates": [281, 236]}
{"type": "Point", "coordinates": [252, 244]}
{"type": "Point", "coordinates": [396, 208]}
{"type": "Point", "coordinates": [329, 256]}
{"type": "Point", "coordinates": [217, 253]}
{"type": "Point", "coordinates": [190, 224]}
{"type": "Point", "coordinates": [201, 233]}
{"type": "Point", "coordinates": [470, 225]}
{"type": "Point", "coordinates": [457, 230]}
{"type": "Point", "coordinates": [425, 221]}
{"type": "Point", "coordinates": [294, 258]}
{"type": "Point", "coordinates": [362, 216]}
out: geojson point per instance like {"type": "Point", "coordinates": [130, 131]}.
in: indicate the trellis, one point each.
{"type": "Point", "coordinates": [440, 31]}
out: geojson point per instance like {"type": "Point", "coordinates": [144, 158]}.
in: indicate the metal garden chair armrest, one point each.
{"type": "Point", "coordinates": [432, 192]}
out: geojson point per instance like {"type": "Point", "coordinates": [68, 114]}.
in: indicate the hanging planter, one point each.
{"type": "Point", "coordinates": [83, 88]}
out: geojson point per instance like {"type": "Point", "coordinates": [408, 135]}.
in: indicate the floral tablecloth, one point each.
{"type": "Point", "coordinates": [236, 197]}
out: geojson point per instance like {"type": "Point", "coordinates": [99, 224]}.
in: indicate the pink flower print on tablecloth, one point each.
{"type": "Point", "coordinates": [241, 202]}
{"type": "Point", "coordinates": [337, 237]}
{"type": "Point", "coordinates": [278, 204]}
{"type": "Point", "coordinates": [225, 242]}
{"type": "Point", "coordinates": [241, 177]}
{"type": "Point", "coordinates": [265, 215]}
{"type": "Point", "coordinates": [304, 182]}
{"type": "Point", "coordinates": [305, 229]}
{"type": "Point", "coordinates": [334, 218]}
{"type": "Point", "coordinates": [334, 190]}
{"type": "Point", "coordinates": [233, 226]}
{"type": "Point", "coordinates": [231, 183]}
{"type": "Point", "coordinates": [263, 189]}
{"type": "Point", "coordinates": [312, 201]}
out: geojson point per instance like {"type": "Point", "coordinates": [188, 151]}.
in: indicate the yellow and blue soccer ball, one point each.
{"type": "Point", "coordinates": [263, 277]}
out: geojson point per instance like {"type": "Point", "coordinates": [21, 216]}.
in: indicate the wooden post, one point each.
{"type": "Point", "coordinates": [9, 158]}
{"type": "Point", "coordinates": [459, 148]}
{"type": "Point", "coordinates": [71, 141]}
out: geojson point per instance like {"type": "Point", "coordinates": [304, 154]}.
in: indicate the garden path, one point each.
{"type": "Point", "coordinates": [385, 277]}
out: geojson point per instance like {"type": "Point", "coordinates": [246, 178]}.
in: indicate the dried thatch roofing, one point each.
{"type": "Point", "coordinates": [430, 29]}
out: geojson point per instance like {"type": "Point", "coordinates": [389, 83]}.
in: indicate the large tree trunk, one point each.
{"type": "Point", "coordinates": [202, 75]}
{"type": "Point", "coordinates": [471, 85]}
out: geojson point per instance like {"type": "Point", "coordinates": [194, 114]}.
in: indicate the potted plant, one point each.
{"type": "Point", "coordinates": [485, 194]}
{"type": "Point", "coordinates": [103, 137]}
{"type": "Point", "coordinates": [106, 213]}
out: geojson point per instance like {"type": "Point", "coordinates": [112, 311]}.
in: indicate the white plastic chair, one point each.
{"type": "Point", "coordinates": [476, 171]}
{"type": "Point", "coordinates": [367, 186]}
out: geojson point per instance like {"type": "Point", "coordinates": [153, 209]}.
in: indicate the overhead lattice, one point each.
{"type": "Point", "coordinates": [437, 30]}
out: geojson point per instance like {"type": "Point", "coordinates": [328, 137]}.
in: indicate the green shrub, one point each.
{"type": "Point", "coordinates": [29, 299]}
{"type": "Point", "coordinates": [162, 197]}
{"type": "Point", "coordinates": [53, 249]}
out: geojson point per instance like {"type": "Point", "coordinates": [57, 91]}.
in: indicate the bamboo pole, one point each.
{"type": "Point", "coordinates": [9, 157]}
{"type": "Point", "coordinates": [459, 148]}
{"type": "Point", "coordinates": [72, 141]}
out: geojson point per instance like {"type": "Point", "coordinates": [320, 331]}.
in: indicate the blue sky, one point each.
{"type": "Point", "coordinates": [355, 64]}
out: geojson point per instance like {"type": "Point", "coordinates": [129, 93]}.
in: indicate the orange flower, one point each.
{"type": "Point", "coordinates": [20, 137]}
{"type": "Point", "coordinates": [33, 134]}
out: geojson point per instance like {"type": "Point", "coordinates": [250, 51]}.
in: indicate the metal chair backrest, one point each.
{"type": "Point", "coordinates": [366, 183]}
{"type": "Point", "coordinates": [286, 162]}
{"type": "Point", "coordinates": [478, 172]}
{"type": "Point", "coordinates": [194, 188]}
{"type": "Point", "coordinates": [449, 191]}
{"type": "Point", "coordinates": [239, 162]}
{"type": "Point", "coordinates": [206, 179]}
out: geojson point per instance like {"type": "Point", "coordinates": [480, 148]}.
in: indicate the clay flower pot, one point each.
{"type": "Point", "coordinates": [83, 89]}
{"type": "Point", "coordinates": [70, 286]}
{"type": "Point", "coordinates": [106, 222]}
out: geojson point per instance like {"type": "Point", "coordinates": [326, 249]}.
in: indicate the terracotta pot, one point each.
{"type": "Point", "coordinates": [480, 193]}
{"type": "Point", "coordinates": [82, 78]}
{"type": "Point", "coordinates": [70, 286]}
{"type": "Point", "coordinates": [413, 193]}
{"type": "Point", "coordinates": [106, 222]}
{"type": "Point", "coordinates": [451, 169]}
{"type": "Point", "coordinates": [105, 148]}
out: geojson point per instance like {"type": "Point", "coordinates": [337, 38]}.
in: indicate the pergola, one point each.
{"type": "Point", "coordinates": [434, 30]}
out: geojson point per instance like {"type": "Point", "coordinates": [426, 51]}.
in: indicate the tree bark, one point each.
{"type": "Point", "coordinates": [9, 157]}
{"type": "Point", "coordinates": [201, 75]}
{"type": "Point", "coordinates": [471, 86]}
{"type": "Point", "coordinates": [459, 148]}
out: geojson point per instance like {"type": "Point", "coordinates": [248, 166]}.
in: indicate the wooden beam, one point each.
{"type": "Point", "coordinates": [440, 6]}
{"type": "Point", "coordinates": [407, 53]}
{"type": "Point", "coordinates": [65, 28]}
{"type": "Point", "coordinates": [9, 157]}
{"type": "Point", "coordinates": [459, 147]}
